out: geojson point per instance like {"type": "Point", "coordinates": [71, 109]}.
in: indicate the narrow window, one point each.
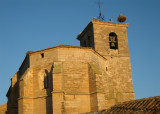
{"type": "Point", "coordinates": [113, 41]}
{"type": "Point", "coordinates": [106, 68]}
{"type": "Point", "coordinates": [46, 82]}
{"type": "Point", "coordinates": [42, 55]}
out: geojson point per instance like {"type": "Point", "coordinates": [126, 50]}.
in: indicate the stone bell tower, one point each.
{"type": "Point", "coordinates": [110, 40]}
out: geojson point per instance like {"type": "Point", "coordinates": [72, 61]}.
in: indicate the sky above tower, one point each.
{"type": "Point", "coordinates": [31, 25]}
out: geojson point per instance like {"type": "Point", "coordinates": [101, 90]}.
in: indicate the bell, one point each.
{"type": "Point", "coordinates": [112, 44]}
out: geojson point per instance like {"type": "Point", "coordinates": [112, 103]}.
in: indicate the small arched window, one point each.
{"type": "Point", "coordinates": [113, 40]}
{"type": "Point", "coordinates": [46, 79]}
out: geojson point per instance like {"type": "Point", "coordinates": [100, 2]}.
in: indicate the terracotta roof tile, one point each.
{"type": "Point", "coordinates": [149, 105]}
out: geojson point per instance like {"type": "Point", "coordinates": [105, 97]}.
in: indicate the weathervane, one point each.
{"type": "Point", "coordinates": [100, 17]}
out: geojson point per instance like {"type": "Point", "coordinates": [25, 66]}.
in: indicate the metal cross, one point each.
{"type": "Point", "coordinates": [100, 15]}
{"type": "Point", "coordinates": [99, 5]}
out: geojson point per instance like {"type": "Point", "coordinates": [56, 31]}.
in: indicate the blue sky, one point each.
{"type": "Point", "coordinates": [30, 25]}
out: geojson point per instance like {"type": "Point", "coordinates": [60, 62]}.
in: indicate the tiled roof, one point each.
{"type": "Point", "coordinates": [149, 105]}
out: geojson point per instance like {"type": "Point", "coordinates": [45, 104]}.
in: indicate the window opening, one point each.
{"type": "Point", "coordinates": [42, 55]}
{"type": "Point", "coordinates": [106, 68]}
{"type": "Point", "coordinates": [46, 82]}
{"type": "Point", "coordinates": [113, 41]}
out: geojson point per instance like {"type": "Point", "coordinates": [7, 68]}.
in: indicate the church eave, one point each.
{"type": "Point", "coordinates": [59, 46]}
{"type": "Point", "coordinates": [67, 46]}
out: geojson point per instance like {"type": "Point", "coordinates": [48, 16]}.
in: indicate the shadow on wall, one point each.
{"type": "Point", "coordinates": [13, 95]}
{"type": "Point", "coordinates": [48, 85]}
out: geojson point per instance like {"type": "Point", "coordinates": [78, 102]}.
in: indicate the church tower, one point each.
{"type": "Point", "coordinates": [110, 40]}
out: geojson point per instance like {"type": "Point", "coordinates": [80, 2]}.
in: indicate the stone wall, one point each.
{"type": "Point", "coordinates": [116, 79]}
{"type": "Point", "coordinates": [42, 96]}
{"type": "Point", "coordinates": [81, 75]}
{"type": "Point", "coordinates": [87, 37]}
{"type": "Point", "coordinates": [25, 101]}
{"type": "Point", "coordinates": [120, 87]}
{"type": "Point", "coordinates": [101, 38]}
{"type": "Point", "coordinates": [13, 95]}
{"type": "Point", "coordinates": [3, 108]}
{"type": "Point", "coordinates": [49, 56]}
{"type": "Point", "coordinates": [76, 87]}
{"type": "Point", "coordinates": [69, 84]}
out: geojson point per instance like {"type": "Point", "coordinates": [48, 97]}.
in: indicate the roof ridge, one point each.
{"type": "Point", "coordinates": [61, 45]}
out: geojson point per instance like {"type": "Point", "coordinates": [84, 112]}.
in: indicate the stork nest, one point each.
{"type": "Point", "coordinates": [121, 18]}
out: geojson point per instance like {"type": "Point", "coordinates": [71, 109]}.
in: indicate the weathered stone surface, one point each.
{"type": "Point", "coordinates": [3, 109]}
